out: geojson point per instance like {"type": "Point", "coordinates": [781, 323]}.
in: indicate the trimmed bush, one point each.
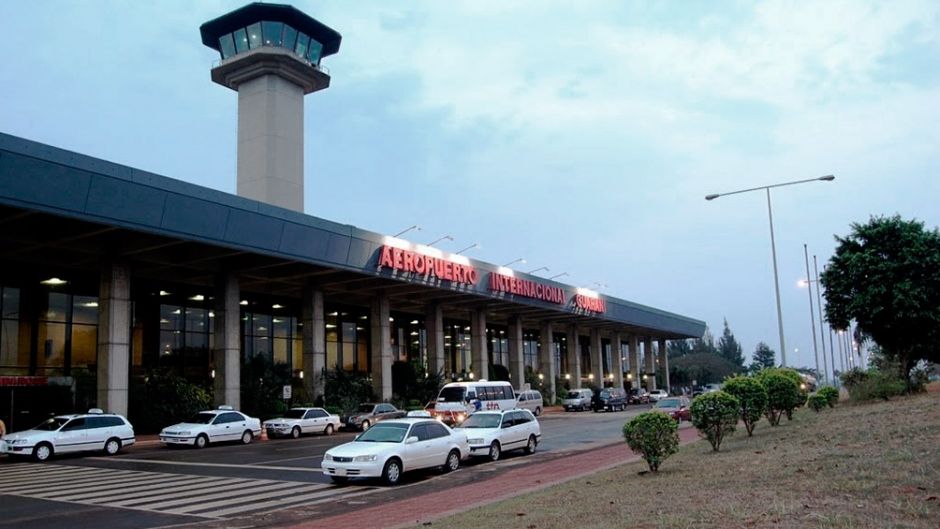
{"type": "Point", "coordinates": [654, 435]}
{"type": "Point", "coordinates": [783, 392]}
{"type": "Point", "coordinates": [831, 395]}
{"type": "Point", "coordinates": [817, 402]}
{"type": "Point", "coordinates": [715, 415]}
{"type": "Point", "coordinates": [752, 399]}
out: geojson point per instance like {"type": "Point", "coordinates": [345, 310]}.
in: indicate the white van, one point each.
{"type": "Point", "coordinates": [457, 400]}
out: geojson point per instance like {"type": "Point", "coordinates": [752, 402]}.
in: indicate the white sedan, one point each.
{"type": "Point", "coordinates": [212, 426]}
{"type": "Point", "coordinates": [298, 421]}
{"type": "Point", "coordinates": [490, 433]}
{"type": "Point", "coordinates": [392, 447]}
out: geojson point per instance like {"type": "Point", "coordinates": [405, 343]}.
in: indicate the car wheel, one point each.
{"type": "Point", "coordinates": [201, 441]}
{"type": "Point", "coordinates": [42, 452]}
{"type": "Point", "coordinates": [295, 432]}
{"type": "Point", "coordinates": [538, 411]}
{"type": "Point", "coordinates": [531, 445]}
{"type": "Point", "coordinates": [391, 474]}
{"type": "Point", "coordinates": [112, 446]}
{"type": "Point", "coordinates": [329, 430]}
{"type": "Point", "coordinates": [453, 461]}
{"type": "Point", "coordinates": [495, 451]}
{"type": "Point", "coordinates": [247, 436]}
{"type": "Point", "coordinates": [339, 480]}
{"type": "Point", "coordinates": [365, 425]}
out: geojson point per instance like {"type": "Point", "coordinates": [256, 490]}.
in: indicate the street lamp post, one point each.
{"type": "Point", "coordinates": [472, 246]}
{"type": "Point", "coordinates": [822, 335]}
{"type": "Point", "coordinates": [773, 246]}
{"type": "Point", "coordinates": [812, 317]}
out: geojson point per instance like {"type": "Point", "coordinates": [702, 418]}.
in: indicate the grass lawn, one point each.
{"type": "Point", "coordinates": [873, 465]}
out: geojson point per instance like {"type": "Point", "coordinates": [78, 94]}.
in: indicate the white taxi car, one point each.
{"type": "Point", "coordinates": [62, 434]}
{"type": "Point", "coordinates": [392, 447]}
{"type": "Point", "coordinates": [490, 433]}
{"type": "Point", "coordinates": [212, 426]}
{"type": "Point", "coordinates": [298, 421]}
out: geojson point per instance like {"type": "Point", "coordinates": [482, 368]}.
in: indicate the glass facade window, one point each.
{"type": "Point", "coordinates": [313, 51]}
{"type": "Point", "coordinates": [268, 33]}
{"type": "Point", "coordinates": [254, 35]}
{"type": "Point", "coordinates": [347, 340]}
{"type": "Point", "coordinates": [276, 337]}
{"type": "Point", "coordinates": [530, 350]}
{"type": "Point", "coordinates": [290, 37]}
{"type": "Point", "coordinates": [303, 42]}
{"type": "Point", "coordinates": [227, 45]}
{"type": "Point", "coordinates": [10, 357]}
{"type": "Point", "coordinates": [272, 32]}
{"type": "Point", "coordinates": [241, 41]}
{"type": "Point", "coordinates": [185, 339]}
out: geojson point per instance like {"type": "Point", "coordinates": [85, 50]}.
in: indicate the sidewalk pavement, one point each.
{"type": "Point", "coordinates": [528, 478]}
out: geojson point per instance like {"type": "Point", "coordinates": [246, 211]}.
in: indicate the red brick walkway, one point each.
{"type": "Point", "coordinates": [415, 511]}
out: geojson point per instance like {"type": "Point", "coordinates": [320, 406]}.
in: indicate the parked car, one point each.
{"type": "Point", "coordinates": [657, 394]}
{"type": "Point", "coordinates": [83, 432]}
{"type": "Point", "coordinates": [530, 400]}
{"type": "Point", "coordinates": [371, 413]}
{"type": "Point", "coordinates": [578, 399]}
{"type": "Point", "coordinates": [212, 426]}
{"type": "Point", "coordinates": [639, 396]}
{"type": "Point", "coordinates": [676, 407]}
{"type": "Point", "coordinates": [491, 433]}
{"type": "Point", "coordinates": [610, 399]}
{"type": "Point", "coordinates": [298, 421]}
{"type": "Point", "coordinates": [392, 447]}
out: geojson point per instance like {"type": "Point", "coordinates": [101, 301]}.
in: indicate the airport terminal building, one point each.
{"type": "Point", "coordinates": [108, 272]}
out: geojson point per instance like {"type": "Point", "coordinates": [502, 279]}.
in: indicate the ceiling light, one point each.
{"type": "Point", "coordinates": [277, 306]}
{"type": "Point", "coordinates": [243, 302]}
{"type": "Point", "coordinates": [54, 281]}
{"type": "Point", "coordinates": [197, 297]}
{"type": "Point", "coordinates": [164, 293]}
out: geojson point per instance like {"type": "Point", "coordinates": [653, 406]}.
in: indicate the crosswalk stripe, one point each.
{"type": "Point", "coordinates": [120, 483]}
{"type": "Point", "coordinates": [62, 481]}
{"type": "Point", "coordinates": [225, 497]}
{"type": "Point", "coordinates": [152, 502]}
{"type": "Point", "coordinates": [278, 504]}
{"type": "Point", "coordinates": [270, 492]}
{"type": "Point", "coordinates": [47, 471]}
{"type": "Point", "coordinates": [142, 490]}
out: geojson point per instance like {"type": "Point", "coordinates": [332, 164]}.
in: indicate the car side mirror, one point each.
{"type": "Point", "coordinates": [411, 440]}
{"type": "Point", "coordinates": [467, 400]}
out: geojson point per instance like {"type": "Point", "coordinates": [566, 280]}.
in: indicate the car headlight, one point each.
{"type": "Point", "coordinates": [364, 459]}
{"type": "Point", "coordinates": [477, 441]}
{"type": "Point", "coordinates": [185, 433]}
{"type": "Point", "coordinates": [20, 441]}
{"type": "Point", "coordinates": [327, 457]}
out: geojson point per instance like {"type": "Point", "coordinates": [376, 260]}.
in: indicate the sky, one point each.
{"type": "Point", "coordinates": [582, 136]}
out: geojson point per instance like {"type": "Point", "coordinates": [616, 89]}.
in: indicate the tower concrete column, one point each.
{"type": "Point", "coordinates": [574, 356]}
{"type": "Point", "coordinates": [479, 356]}
{"type": "Point", "coordinates": [227, 335]}
{"type": "Point", "coordinates": [547, 360]}
{"type": "Point", "coordinates": [616, 353]}
{"type": "Point", "coordinates": [664, 365]}
{"type": "Point", "coordinates": [516, 360]}
{"type": "Point", "coordinates": [314, 342]}
{"type": "Point", "coordinates": [114, 327]}
{"type": "Point", "coordinates": [634, 349]}
{"type": "Point", "coordinates": [381, 341]}
{"type": "Point", "coordinates": [650, 363]}
{"type": "Point", "coordinates": [434, 324]}
{"type": "Point", "coordinates": [597, 357]}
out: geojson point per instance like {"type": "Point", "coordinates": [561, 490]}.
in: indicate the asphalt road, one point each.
{"type": "Point", "coordinates": [149, 485]}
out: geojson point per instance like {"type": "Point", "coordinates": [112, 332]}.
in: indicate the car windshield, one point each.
{"type": "Point", "coordinates": [204, 417]}
{"type": "Point", "coordinates": [52, 424]}
{"type": "Point", "coordinates": [605, 394]}
{"type": "Point", "coordinates": [295, 414]}
{"type": "Point", "coordinates": [668, 403]}
{"type": "Point", "coordinates": [384, 432]}
{"type": "Point", "coordinates": [365, 408]}
{"type": "Point", "coordinates": [453, 394]}
{"type": "Point", "coordinates": [574, 395]}
{"type": "Point", "coordinates": [482, 420]}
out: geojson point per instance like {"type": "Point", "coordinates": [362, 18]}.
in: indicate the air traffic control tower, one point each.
{"type": "Point", "coordinates": [271, 56]}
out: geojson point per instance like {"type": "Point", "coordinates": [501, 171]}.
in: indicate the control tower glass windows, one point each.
{"type": "Point", "coordinates": [272, 33]}
{"type": "Point", "coordinates": [303, 41]}
{"type": "Point", "coordinates": [290, 37]}
{"type": "Point", "coordinates": [254, 35]}
{"type": "Point", "coordinates": [313, 51]}
{"type": "Point", "coordinates": [227, 46]}
{"type": "Point", "coordinates": [241, 41]}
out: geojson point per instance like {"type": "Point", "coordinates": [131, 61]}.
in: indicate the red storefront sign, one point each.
{"type": "Point", "coordinates": [23, 381]}
{"type": "Point", "coordinates": [426, 265]}
{"type": "Point", "coordinates": [526, 288]}
{"type": "Point", "coordinates": [589, 303]}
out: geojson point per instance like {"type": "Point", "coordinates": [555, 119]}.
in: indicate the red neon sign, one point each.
{"type": "Point", "coordinates": [590, 304]}
{"type": "Point", "coordinates": [426, 265]}
{"type": "Point", "coordinates": [526, 288]}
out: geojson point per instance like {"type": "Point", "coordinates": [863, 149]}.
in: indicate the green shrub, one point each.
{"type": "Point", "coordinates": [344, 391]}
{"type": "Point", "coordinates": [654, 435]}
{"type": "Point", "coordinates": [877, 385]}
{"type": "Point", "coordinates": [817, 402]}
{"type": "Point", "coordinates": [163, 398]}
{"type": "Point", "coordinates": [783, 392]}
{"type": "Point", "coordinates": [262, 383]}
{"type": "Point", "coordinates": [831, 395]}
{"type": "Point", "coordinates": [715, 415]}
{"type": "Point", "coordinates": [411, 381]}
{"type": "Point", "coordinates": [752, 399]}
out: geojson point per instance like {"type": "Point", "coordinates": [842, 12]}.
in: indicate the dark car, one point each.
{"type": "Point", "coordinates": [369, 414]}
{"type": "Point", "coordinates": [676, 407]}
{"type": "Point", "coordinates": [609, 399]}
{"type": "Point", "coordinates": [639, 396]}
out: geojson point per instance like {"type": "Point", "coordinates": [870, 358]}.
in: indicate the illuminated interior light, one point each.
{"type": "Point", "coordinates": [243, 302]}
{"type": "Point", "coordinates": [277, 306]}
{"type": "Point", "coordinates": [53, 281]}
{"type": "Point", "coordinates": [197, 297]}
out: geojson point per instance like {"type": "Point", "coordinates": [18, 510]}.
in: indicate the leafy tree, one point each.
{"type": "Point", "coordinates": [677, 348]}
{"type": "Point", "coordinates": [829, 393]}
{"type": "Point", "coordinates": [262, 381]}
{"type": "Point", "coordinates": [783, 392]}
{"type": "Point", "coordinates": [701, 367]}
{"type": "Point", "coordinates": [885, 275]}
{"type": "Point", "coordinates": [705, 344]}
{"type": "Point", "coordinates": [715, 415]}
{"type": "Point", "coordinates": [164, 398]}
{"type": "Point", "coordinates": [764, 357]}
{"type": "Point", "coordinates": [729, 348]}
{"type": "Point", "coordinates": [817, 402]}
{"type": "Point", "coordinates": [344, 391]}
{"type": "Point", "coordinates": [752, 397]}
{"type": "Point", "coordinates": [411, 381]}
{"type": "Point", "coordinates": [654, 435]}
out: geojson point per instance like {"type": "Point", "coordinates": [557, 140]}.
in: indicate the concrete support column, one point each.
{"type": "Point", "coordinates": [479, 357]}
{"type": "Point", "coordinates": [381, 352]}
{"type": "Point", "coordinates": [616, 353]}
{"type": "Point", "coordinates": [547, 360]}
{"type": "Point", "coordinates": [227, 335]}
{"type": "Point", "coordinates": [434, 323]}
{"type": "Point", "coordinates": [634, 348]}
{"type": "Point", "coordinates": [650, 363]}
{"type": "Point", "coordinates": [516, 360]}
{"type": "Point", "coordinates": [597, 357]}
{"type": "Point", "coordinates": [664, 365]}
{"type": "Point", "coordinates": [314, 342]}
{"type": "Point", "coordinates": [574, 356]}
{"type": "Point", "coordinates": [114, 329]}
